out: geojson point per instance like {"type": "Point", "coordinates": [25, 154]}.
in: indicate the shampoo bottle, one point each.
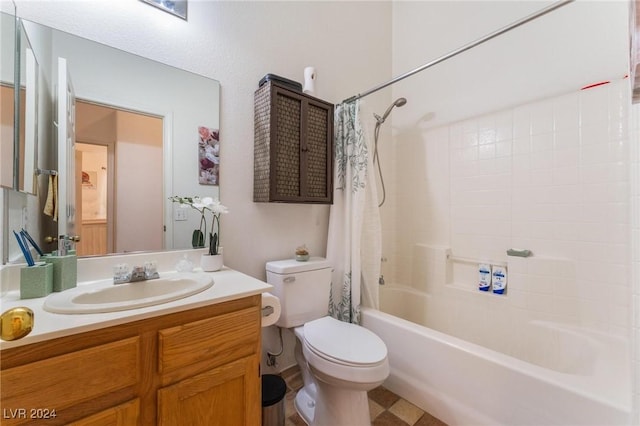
{"type": "Point", "coordinates": [484, 277]}
{"type": "Point", "coordinates": [499, 280]}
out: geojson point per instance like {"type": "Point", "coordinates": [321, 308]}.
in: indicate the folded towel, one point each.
{"type": "Point", "coordinates": [51, 204]}
{"type": "Point", "coordinates": [48, 204]}
{"type": "Point", "coordinates": [55, 198]}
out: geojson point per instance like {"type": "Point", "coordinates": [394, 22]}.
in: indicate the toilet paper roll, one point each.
{"type": "Point", "coordinates": [270, 316]}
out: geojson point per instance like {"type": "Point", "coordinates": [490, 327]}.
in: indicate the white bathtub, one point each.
{"type": "Point", "coordinates": [576, 378]}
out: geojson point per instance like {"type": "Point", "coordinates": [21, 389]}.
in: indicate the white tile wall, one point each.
{"type": "Point", "coordinates": [551, 176]}
{"type": "Point", "coordinates": [560, 177]}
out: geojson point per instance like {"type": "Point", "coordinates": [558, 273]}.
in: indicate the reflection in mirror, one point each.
{"type": "Point", "coordinates": [19, 112]}
{"type": "Point", "coordinates": [7, 115]}
{"type": "Point", "coordinates": [93, 201]}
{"type": "Point", "coordinates": [138, 176]}
{"type": "Point", "coordinates": [120, 163]}
{"type": "Point", "coordinates": [28, 116]}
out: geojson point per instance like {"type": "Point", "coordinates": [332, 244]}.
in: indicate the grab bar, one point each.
{"type": "Point", "coordinates": [459, 259]}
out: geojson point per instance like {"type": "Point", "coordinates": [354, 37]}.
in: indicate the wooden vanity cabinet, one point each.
{"type": "Point", "coordinates": [293, 147]}
{"type": "Point", "coordinates": [197, 367]}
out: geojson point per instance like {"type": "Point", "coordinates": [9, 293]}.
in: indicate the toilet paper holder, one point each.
{"type": "Point", "coordinates": [269, 310]}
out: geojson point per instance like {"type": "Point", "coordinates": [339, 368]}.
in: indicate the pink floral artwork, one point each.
{"type": "Point", "coordinates": [208, 156]}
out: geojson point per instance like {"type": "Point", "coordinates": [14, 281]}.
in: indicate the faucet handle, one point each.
{"type": "Point", "coordinates": [151, 269]}
{"type": "Point", "coordinates": [121, 273]}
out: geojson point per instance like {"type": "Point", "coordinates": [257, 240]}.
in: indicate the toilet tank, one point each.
{"type": "Point", "coordinates": [302, 287]}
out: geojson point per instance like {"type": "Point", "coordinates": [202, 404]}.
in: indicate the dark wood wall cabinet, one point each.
{"type": "Point", "coordinates": [293, 147]}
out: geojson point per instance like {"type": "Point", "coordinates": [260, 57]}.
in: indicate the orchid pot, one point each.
{"type": "Point", "coordinates": [211, 262]}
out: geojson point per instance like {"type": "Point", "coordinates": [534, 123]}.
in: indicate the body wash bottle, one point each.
{"type": "Point", "coordinates": [484, 277]}
{"type": "Point", "coordinates": [499, 280]}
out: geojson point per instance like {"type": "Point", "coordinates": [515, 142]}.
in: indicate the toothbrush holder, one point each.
{"type": "Point", "coordinates": [65, 271]}
{"type": "Point", "coordinates": [36, 281]}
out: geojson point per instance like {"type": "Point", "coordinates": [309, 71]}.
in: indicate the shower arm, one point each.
{"type": "Point", "coordinates": [464, 48]}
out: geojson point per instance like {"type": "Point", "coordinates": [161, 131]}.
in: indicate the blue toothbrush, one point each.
{"type": "Point", "coordinates": [25, 250]}
{"type": "Point", "coordinates": [32, 241]}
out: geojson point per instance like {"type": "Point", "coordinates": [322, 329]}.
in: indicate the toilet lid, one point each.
{"type": "Point", "coordinates": [344, 342]}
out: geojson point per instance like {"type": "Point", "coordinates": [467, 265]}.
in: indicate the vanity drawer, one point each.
{"type": "Point", "coordinates": [200, 345]}
{"type": "Point", "coordinates": [63, 381]}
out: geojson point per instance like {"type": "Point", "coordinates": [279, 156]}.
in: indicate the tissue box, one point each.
{"type": "Point", "coordinates": [65, 271]}
{"type": "Point", "coordinates": [36, 281]}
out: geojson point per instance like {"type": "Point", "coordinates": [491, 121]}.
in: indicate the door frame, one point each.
{"type": "Point", "coordinates": [167, 163]}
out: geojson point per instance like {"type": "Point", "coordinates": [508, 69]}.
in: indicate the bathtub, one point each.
{"type": "Point", "coordinates": [578, 377]}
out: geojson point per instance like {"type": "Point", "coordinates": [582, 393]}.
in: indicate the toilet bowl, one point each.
{"type": "Point", "coordinates": [339, 361]}
{"type": "Point", "coordinates": [345, 361]}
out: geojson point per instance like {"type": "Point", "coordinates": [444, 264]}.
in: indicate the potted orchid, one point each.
{"type": "Point", "coordinates": [211, 261]}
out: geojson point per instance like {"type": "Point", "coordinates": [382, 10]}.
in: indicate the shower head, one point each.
{"type": "Point", "coordinates": [397, 103]}
{"type": "Point", "coordinates": [400, 102]}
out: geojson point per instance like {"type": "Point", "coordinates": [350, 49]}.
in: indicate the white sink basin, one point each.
{"type": "Point", "coordinates": [104, 296]}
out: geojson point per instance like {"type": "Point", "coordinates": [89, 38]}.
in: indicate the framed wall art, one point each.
{"type": "Point", "coordinates": [175, 7]}
{"type": "Point", "coordinates": [208, 156]}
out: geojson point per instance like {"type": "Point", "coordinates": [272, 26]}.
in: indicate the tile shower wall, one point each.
{"type": "Point", "coordinates": [551, 176]}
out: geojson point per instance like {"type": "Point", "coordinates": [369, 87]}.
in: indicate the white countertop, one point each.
{"type": "Point", "coordinates": [228, 285]}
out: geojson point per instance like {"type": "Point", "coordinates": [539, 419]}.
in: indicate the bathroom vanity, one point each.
{"type": "Point", "coordinates": [189, 361]}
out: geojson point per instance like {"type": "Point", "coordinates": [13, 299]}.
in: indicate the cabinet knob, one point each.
{"type": "Point", "coordinates": [49, 239]}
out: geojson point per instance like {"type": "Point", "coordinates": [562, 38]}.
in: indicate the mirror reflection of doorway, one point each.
{"type": "Point", "coordinates": [91, 206]}
{"type": "Point", "coordinates": [119, 180]}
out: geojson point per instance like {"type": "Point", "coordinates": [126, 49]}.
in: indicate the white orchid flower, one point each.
{"type": "Point", "coordinates": [202, 203]}
{"type": "Point", "coordinates": [217, 208]}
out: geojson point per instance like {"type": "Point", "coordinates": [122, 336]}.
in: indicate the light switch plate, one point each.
{"type": "Point", "coordinates": [180, 214]}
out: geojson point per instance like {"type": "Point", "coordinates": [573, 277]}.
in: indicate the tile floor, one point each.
{"type": "Point", "coordinates": [386, 408]}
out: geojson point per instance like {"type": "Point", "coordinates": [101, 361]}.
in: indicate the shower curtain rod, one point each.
{"type": "Point", "coordinates": [464, 48]}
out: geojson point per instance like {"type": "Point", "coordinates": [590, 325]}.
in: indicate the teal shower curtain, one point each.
{"type": "Point", "coordinates": [354, 241]}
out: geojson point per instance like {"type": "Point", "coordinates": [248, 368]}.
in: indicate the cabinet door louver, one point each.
{"type": "Point", "coordinates": [287, 147]}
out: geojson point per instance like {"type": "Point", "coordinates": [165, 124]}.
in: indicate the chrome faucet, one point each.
{"type": "Point", "coordinates": [139, 273]}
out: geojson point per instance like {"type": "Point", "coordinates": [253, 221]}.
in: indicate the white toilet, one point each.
{"type": "Point", "coordinates": [339, 361]}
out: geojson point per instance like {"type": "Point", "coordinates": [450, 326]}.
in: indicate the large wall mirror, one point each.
{"type": "Point", "coordinates": [135, 140]}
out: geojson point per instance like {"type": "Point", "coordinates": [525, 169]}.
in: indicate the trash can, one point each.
{"type": "Point", "coordinates": [273, 390]}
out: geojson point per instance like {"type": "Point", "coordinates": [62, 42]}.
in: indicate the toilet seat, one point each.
{"type": "Point", "coordinates": [343, 351]}
{"type": "Point", "coordinates": [347, 344]}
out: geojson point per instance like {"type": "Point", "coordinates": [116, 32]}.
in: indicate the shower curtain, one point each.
{"type": "Point", "coordinates": [354, 243]}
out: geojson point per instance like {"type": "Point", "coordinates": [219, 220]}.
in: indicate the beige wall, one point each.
{"type": "Point", "coordinates": [237, 43]}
